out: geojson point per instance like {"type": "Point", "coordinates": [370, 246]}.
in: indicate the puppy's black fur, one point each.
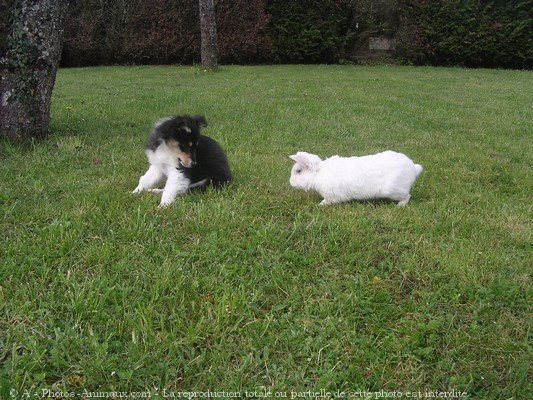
{"type": "Point", "coordinates": [211, 169]}
{"type": "Point", "coordinates": [202, 160]}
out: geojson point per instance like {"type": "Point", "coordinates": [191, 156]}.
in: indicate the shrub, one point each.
{"type": "Point", "coordinates": [137, 31]}
{"type": "Point", "coordinates": [242, 32]}
{"type": "Point", "coordinates": [471, 33]}
{"type": "Point", "coordinates": [309, 31]}
{"type": "Point", "coordinates": [162, 32]}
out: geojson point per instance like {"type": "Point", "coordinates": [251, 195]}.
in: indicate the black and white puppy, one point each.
{"type": "Point", "coordinates": [187, 159]}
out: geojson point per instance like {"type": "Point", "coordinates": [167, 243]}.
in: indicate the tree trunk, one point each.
{"type": "Point", "coordinates": [208, 31]}
{"type": "Point", "coordinates": [28, 66]}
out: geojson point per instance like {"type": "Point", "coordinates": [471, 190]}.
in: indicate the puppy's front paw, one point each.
{"type": "Point", "coordinates": [164, 203]}
{"type": "Point", "coordinates": [325, 202]}
{"type": "Point", "coordinates": [138, 189]}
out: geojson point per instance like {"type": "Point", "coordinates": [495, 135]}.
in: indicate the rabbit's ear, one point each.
{"type": "Point", "coordinates": [305, 159]}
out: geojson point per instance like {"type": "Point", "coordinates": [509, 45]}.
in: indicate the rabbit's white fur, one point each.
{"type": "Point", "coordinates": [387, 175]}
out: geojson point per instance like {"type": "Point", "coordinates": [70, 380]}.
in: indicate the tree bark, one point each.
{"type": "Point", "coordinates": [208, 31]}
{"type": "Point", "coordinates": [28, 66]}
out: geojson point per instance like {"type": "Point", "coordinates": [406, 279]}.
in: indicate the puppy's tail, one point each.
{"type": "Point", "coordinates": [200, 184]}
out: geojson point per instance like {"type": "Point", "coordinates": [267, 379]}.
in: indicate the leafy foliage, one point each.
{"type": "Point", "coordinates": [309, 31]}
{"type": "Point", "coordinates": [471, 33]}
{"type": "Point", "coordinates": [162, 32]}
{"type": "Point", "coordinates": [491, 33]}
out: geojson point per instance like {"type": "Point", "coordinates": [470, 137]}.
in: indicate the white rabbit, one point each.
{"type": "Point", "coordinates": [387, 175]}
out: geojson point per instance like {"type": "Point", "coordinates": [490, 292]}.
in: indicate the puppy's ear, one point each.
{"type": "Point", "coordinates": [307, 160]}
{"type": "Point", "coordinates": [183, 126]}
{"type": "Point", "coordinates": [200, 121]}
{"type": "Point", "coordinates": [165, 127]}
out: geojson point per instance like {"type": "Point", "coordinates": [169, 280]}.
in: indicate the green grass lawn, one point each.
{"type": "Point", "coordinates": [256, 286]}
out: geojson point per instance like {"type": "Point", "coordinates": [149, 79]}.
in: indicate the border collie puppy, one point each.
{"type": "Point", "coordinates": [178, 152]}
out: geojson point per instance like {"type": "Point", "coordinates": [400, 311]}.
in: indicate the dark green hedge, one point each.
{"type": "Point", "coordinates": [309, 31]}
{"type": "Point", "coordinates": [327, 31]}
{"type": "Point", "coordinates": [472, 33]}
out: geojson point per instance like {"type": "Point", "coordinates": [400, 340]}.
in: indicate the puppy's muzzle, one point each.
{"type": "Point", "coordinates": [188, 164]}
{"type": "Point", "coordinates": [187, 160]}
